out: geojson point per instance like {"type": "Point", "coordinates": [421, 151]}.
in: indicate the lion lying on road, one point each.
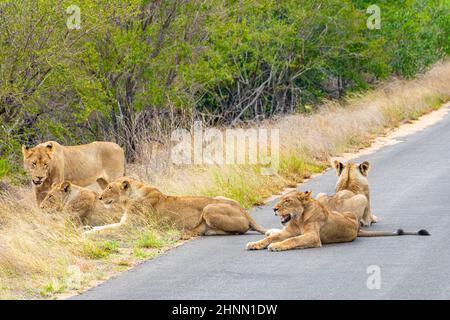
{"type": "Point", "coordinates": [81, 204]}
{"type": "Point", "coordinates": [194, 214]}
{"type": "Point", "coordinates": [50, 162]}
{"type": "Point", "coordinates": [353, 178]}
{"type": "Point", "coordinates": [309, 224]}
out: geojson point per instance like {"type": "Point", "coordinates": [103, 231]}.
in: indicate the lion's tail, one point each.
{"type": "Point", "coordinates": [254, 225]}
{"type": "Point", "coordinates": [399, 232]}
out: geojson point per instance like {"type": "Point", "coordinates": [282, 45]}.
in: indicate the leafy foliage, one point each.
{"type": "Point", "coordinates": [137, 68]}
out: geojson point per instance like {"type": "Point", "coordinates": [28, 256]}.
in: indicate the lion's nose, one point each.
{"type": "Point", "coordinates": [39, 178]}
{"type": "Point", "coordinates": [275, 210]}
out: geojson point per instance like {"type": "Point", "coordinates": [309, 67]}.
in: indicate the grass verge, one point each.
{"type": "Point", "coordinates": [41, 257]}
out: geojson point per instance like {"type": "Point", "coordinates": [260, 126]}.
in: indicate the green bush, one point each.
{"type": "Point", "coordinates": [141, 65]}
{"type": "Point", "coordinates": [4, 168]}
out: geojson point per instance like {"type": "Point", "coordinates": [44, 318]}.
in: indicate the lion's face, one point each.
{"type": "Point", "coordinates": [38, 162]}
{"type": "Point", "coordinates": [56, 197]}
{"type": "Point", "coordinates": [291, 205]}
{"type": "Point", "coordinates": [115, 192]}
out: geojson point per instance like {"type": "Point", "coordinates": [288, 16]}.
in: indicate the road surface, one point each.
{"type": "Point", "coordinates": [410, 188]}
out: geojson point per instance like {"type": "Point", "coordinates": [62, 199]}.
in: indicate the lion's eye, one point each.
{"type": "Point", "coordinates": [34, 164]}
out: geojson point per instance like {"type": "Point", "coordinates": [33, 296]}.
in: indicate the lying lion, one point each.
{"type": "Point", "coordinates": [194, 214]}
{"type": "Point", "coordinates": [309, 224]}
{"type": "Point", "coordinates": [50, 163]}
{"type": "Point", "coordinates": [353, 178]}
{"type": "Point", "coordinates": [81, 204]}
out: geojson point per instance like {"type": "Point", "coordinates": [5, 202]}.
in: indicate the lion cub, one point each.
{"type": "Point", "coordinates": [309, 224]}
{"type": "Point", "coordinates": [81, 204]}
{"type": "Point", "coordinates": [194, 214]}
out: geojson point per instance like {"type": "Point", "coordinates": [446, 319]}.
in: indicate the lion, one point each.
{"type": "Point", "coordinates": [50, 163]}
{"type": "Point", "coordinates": [81, 204]}
{"type": "Point", "coordinates": [353, 178]}
{"type": "Point", "coordinates": [309, 224]}
{"type": "Point", "coordinates": [195, 215]}
{"type": "Point", "coordinates": [345, 201]}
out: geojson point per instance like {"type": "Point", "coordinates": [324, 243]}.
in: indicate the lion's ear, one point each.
{"type": "Point", "coordinates": [364, 168]}
{"type": "Point", "coordinates": [26, 151]}
{"type": "Point", "coordinates": [50, 147]}
{"type": "Point", "coordinates": [65, 186]}
{"type": "Point", "coordinates": [125, 185]}
{"type": "Point", "coordinates": [339, 166]}
{"type": "Point", "coordinates": [102, 183]}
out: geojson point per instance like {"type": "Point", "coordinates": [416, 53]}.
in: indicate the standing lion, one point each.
{"type": "Point", "coordinates": [50, 163]}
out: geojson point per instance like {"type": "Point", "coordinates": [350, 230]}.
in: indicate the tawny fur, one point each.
{"type": "Point", "coordinates": [353, 178]}
{"type": "Point", "coordinates": [50, 163]}
{"type": "Point", "coordinates": [81, 204]}
{"type": "Point", "coordinates": [194, 215]}
{"type": "Point", "coordinates": [309, 224]}
{"type": "Point", "coordinates": [345, 201]}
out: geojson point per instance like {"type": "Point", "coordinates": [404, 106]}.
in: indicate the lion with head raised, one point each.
{"type": "Point", "coordinates": [309, 224]}
{"type": "Point", "coordinates": [353, 181]}
{"type": "Point", "coordinates": [50, 163]}
{"type": "Point", "coordinates": [194, 215]}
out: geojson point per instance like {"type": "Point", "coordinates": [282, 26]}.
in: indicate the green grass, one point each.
{"type": "Point", "coordinates": [295, 166]}
{"type": "Point", "coordinates": [102, 249]}
{"type": "Point", "coordinates": [4, 168]}
{"type": "Point", "coordinates": [144, 254]}
{"type": "Point", "coordinates": [150, 240]}
{"type": "Point", "coordinates": [52, 288]}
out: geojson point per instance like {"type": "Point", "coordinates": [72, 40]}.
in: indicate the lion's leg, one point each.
{"type": "Point", "coordinates": [274, 237]}
{"type": "Point", "coordinates": [199, 229]}
{"type": "Point", "coordinates": [39, 195]}
{"type": "Point", "coordinates": [123, 220]}
{"type": "Point", "coordinates": [321, 195]}
{"type": "Point", "coordinates": [272, 231]}
{"type": "Point", "coordinates": [224, 218]}
{"type": "Point", "coordinates": [368, 218]}
{"type": "Point", "coordinates": [307, 240]}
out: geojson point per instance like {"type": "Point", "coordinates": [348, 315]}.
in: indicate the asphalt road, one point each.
{"type": "Point", "coordinates": [410, 187]}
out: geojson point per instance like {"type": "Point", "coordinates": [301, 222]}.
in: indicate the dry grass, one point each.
{"type": "Point", "coordinates": [41, 256]}
{"type": "Point", "coordinates": [306, 141]}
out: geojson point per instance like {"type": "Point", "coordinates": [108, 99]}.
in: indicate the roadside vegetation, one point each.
{"type": "Point", "coordinates": [136, 70]}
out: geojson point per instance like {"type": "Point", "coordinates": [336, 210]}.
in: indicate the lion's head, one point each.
{"type": "Point", "coordinates": [292, 205]}
{"type": "Point", "coordinates": [117, 191]}
{"type": "Point", "coordinates": [352, 176]}
{"type": "Point", "coordinates": [38, 161]}
{"type": "Point", "coordinates": [56, 197]}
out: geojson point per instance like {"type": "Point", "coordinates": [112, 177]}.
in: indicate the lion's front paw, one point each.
{"type": "Point", "coordinates": [255, 246]}
{"type": "Point", "coordinates": [364, 223]}
{"type": "Point", "coordinates": [374, 219]}
{"type": "Point", "coordinates": [187, 236]}
{"type": "Point", "coordinates": [276, 247]}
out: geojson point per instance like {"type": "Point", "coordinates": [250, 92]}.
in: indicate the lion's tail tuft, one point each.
{"type": "Point", "coordinates": [399, 232]}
